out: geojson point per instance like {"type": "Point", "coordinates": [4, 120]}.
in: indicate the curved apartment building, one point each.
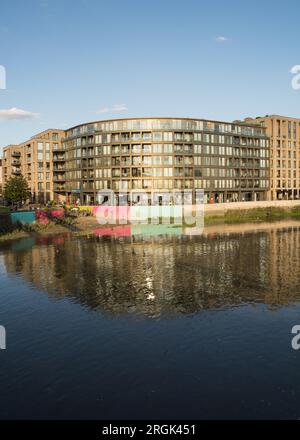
{"type": "Point", "coordinates": [229, 161]}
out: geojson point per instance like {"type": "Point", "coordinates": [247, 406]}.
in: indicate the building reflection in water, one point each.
{"type": "Point", "coordinates": [163, 276]}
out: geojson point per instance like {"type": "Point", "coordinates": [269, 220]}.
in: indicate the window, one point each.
{"type": "Point", "coordinates": [168, 172]}
{"type": "Point", "coordinates": [147, 135]}
{"type": "Point", "coordinates": [147, 183]}
{"type": "Point", "coordinates": [146, 148]}
{"type": "Point", "coordinates": [115, 149]}
{"type": "Point", "coordinates": [137, 184]}
{"type": "Point", "coordinates": [157, 136]}
{"type": "Point", "coordinates": [106, 149]}
{"type": "Point", "coordinates": [136, 149]}
{"type": "Point", "coordinates": [168, 160]}
{"type": "Point", "coordinates": [157, 172]}
{"type": "Point", "coordinates": [136, 160]}
{"type": "Point", "coordinates": [168, 148]}
{"type": "Point", "coordinates": [198, 172]}
{"type": "Point", "coordinates": [147, 172]}
{"type": "Point", "coordinates": [157, 160]}
{"type": "Point", "coordinates": [147, 160]}
{"type": "Point", "coordinates": [157, 148]}
{"type": "Point", "coordinates": [106, 138]}
{"type": "Point", "coordinates": [136, 136]}
{"type": "Point", "coordinates": [168, 136]}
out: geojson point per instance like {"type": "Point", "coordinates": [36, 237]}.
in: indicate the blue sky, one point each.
{"type": "Point", "coordinates": [69, 62]}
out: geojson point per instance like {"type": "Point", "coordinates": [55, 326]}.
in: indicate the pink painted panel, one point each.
{"type": "Point", "coordinates": [117, 231]}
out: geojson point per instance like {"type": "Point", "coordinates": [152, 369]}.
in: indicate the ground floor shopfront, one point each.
{"type": "Point", "coordinates": [163, 197]}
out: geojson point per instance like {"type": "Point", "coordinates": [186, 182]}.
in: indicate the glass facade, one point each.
{"type": "Point", "coordinates": [230, 161]}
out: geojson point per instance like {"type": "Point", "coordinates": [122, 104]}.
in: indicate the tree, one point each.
{"type": "Point", "coordinates": [16, 190]}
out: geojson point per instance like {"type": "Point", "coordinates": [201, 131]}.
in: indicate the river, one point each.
{"type": "Point", "coordinates": [151, 327]}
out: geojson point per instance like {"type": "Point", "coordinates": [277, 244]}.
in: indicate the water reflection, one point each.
{"type": "Point", "coordinates": [157, 276]}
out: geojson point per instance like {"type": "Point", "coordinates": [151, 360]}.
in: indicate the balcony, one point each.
{"type": "Point", "coordinates": [59, 178]}
{"type": "Point", "coordinates": [16, 162]}
{"type": "Point", "coordinates": [87, 186]}
{"type": "Point", "coordinates": [16, 172]}
{"type": "Point", "coordinates": [16, 154]}
{"type": "Point", "coordinates": [58, 148]}
{"type": "Point", "coordinates": [58, 158]}
{"type": "Point", "coordinates": [59, 187]}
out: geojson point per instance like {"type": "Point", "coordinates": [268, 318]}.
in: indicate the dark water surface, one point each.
{"type": "Point", "coordinates": [161, 327]}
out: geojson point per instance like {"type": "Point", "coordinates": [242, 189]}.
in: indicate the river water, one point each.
{"type": "Point", "coordinates": [151, 327]}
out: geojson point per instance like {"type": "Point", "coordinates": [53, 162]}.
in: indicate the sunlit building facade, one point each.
{"type": "Point", "coordinates": [39, 161]}
{"type": "Point", "coordinates": [284, 134]}
{"type": "Point", "coordinates": [229, 161]}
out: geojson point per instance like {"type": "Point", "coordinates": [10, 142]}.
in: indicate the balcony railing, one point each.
{"type": "Point", "coordinates": [59, 148]}
{"type": "Point", "coordinates": [16, 154]}
{"type": "Point", "coordinates": [59, 179]}
{"type": "Point", "coordinates": [59, 187]}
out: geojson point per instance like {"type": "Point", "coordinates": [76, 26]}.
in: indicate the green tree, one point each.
{"type": "Point", "coordinates": [16, 190]}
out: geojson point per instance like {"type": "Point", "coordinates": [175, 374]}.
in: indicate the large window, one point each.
{"type": "Point", "coordinates": [157, 136]}
{"type": "Point", "coordinates": [136, 149]}
{"type": "Point", "coordinates": [168, 136]}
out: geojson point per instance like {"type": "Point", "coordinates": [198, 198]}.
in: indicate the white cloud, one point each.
{"type": "Point", "coordinates": [114, 108]}
{"type": "Point", "coordinates": [103, 110]}
{"type": "Point", "coordinates": [119, 107]}
{"type": "Point", "coordinates": [16, 113]}
{"type": "Point", "coordinates": [222, 39]}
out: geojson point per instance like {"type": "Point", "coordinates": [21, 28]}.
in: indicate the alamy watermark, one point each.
{"type": "Point", "coordinates": [296, 338]}
{"type": "Point", "coordinates": [295, 70]}
{"type": "Point", "coordinates": [2, 78]}
{"type": "Point", "coordinates": [2, 338]}
{"type": "Point", "coordinates": [182, 208]}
